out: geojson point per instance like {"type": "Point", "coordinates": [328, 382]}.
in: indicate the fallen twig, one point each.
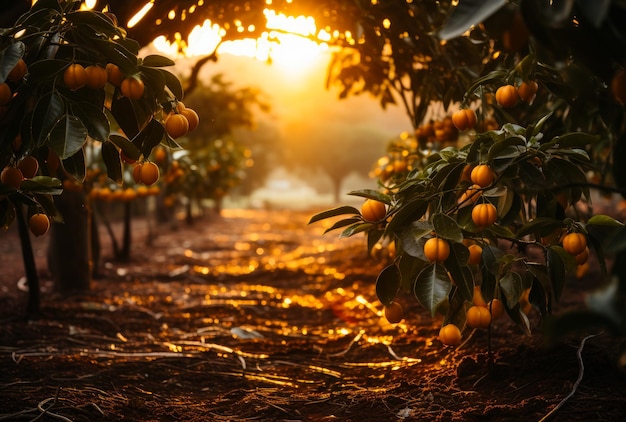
{"type": "Point", "coordinates": [581, 372]}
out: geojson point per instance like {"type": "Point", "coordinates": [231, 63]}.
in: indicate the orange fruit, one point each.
{"type": "Point", "coordinates": [39, 224]}
{"type": "Point", "coordinates": [18, 71]}
{"type": "Point", "coordinates": [11, 176]}
{"type": "Point", "coordinates": [5, 94]}
{"type": "Point", "coordinates": [75, 76]}
{"type": "Point", "coordinates": [482, 175]}
{"type": "Point", "coordinates": [466, 176]}
{"type": "Point", "coordinates": [476, 254]}
{"type": "Point", "coordinates": [618, 86]}
{"type": "Point", "coordinates": [477, 298]}
{"type": "Point", "coordinates": [160, 155]}
{"type": "Point", "coordinates": [176, 125]}
{"type": "Point", "coordinates": [582, 257]}
{"type": "Point", "coordinates": [484, 215]}
{"type": "Point", "coordinates": [192, 117]}
{"type": "Point", "coordinates": [464, 119]}
{"type": "Point", "coordinates": [450, 335]}
{"type": "Point", "coordinates": [574, 243]}
{"type": "Point", "coordinates": [96, 76]}
{"type": "Point", "coordinates": [149, 173]}
{"type": "Point", "coordinates": [394, 312]}
{"type": "Point", "coordinates": [478, 317]}
{"type": "Point", "coordinates": [114, 74]}
{"type": "Point", "coordinates": [137, 173]}
{"type": "Point", "coordinates": [524, 302]}
{"type": "Point", "coordinates": [496, 307]}
{"type": "Point", "coordinates": [132, 88]}
{"type": "Point", "coordinates": [373, 210]}
{"type": "Point", "coordinates": [436, 249]}
{"type": "Point", "coordinates": [28, 166]}
{"type": "Point", "coordinates": [507, 96]}
{"type": "Point", "coordinates": [129, 194]}
{"type": "Point", "coordinates": [527, 90]}
{"type": "Point", "coordinates": [582, 270]}
{"type": "Point", "coordinates": [472, 194]}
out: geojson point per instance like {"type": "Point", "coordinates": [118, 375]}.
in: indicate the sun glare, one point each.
{"type": "Point", "coordinates": [293, 43]}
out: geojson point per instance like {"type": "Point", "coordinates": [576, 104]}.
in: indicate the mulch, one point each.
{"type": "Point", "coordinates": [256, 316]}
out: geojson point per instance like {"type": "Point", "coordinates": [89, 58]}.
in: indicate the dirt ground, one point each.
{"type": "Point", "coordinates": [256, 316]}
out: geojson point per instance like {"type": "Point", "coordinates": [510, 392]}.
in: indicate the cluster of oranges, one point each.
{"type": "Point", "coordinates": [181, 120]}
{"type": "Point", "coordinates": [439, 132]}
{"type": "Point", "coordinates": [6, 87]}
{"type": "Point", "coordinates": [107, 194]}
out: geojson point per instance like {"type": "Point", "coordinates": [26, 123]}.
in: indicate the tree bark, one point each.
{"type": "Point", "coordinates": [32, 278]}
{"type": "Point", "coordinates": [69, 256]}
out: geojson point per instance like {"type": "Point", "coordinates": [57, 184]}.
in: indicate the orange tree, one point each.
{"type": "Point", "coordinates": [72, 73]}
{"type": "Point", "coordinates": [519, 192]}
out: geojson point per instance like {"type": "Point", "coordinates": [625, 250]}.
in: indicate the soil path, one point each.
{"type": "Point", "coordinates": [257, 316]}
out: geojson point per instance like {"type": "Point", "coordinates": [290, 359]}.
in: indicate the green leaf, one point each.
{"type": "Point", "coordinates": [605, 221]}
{"type": "Point", "coordinates": [616, 242]}
{"type": "Point", "coordinates": [356, 228]}
{"type": "Point", "coordinates": [75, 165]}
{"type": "Point", "coordinates": [9, 57]}
{"type": "Point", "coordinates": [447, 228]}
{"type": "Point", "coordinates": [432, 287]}
{"type": "Point", "coordinates": [154, 60]}
{"type": "Point", "coordinates": [94, 119]}
{"type": "Point", "coordinates": [412, 239]}
{"type": "Point", "coordinates": [48, 111]}
{"type": "Point", "coordinates": [342, 223]}
{"type": "Point", "coordinates": [173, 83]}
{"type": "Point", "coordinates": [511, 286]}
{"type": "Point", "coordinates": [333, 213]}
{"type": "Point", "coordinates": [130, 150]}
{"type": "Point", "coordinates": [574, 140]}
{"type": "Point", "coordinates": [149, 137]}
{"type": "Point", "coordinates": [111, 157]}
{"type": "Point", "coordinates": [412, 211]}
{"type": "Point", "coordinates": [372, 194]}
{"type": "Point", "coordinates": [388, 284]}
{"type": "Point", "coordinates": [373, 236]}
{"type": "Point", "coordinates": [491, 258]}
{"type": "Point", "coordinates": [44, 184]}
{"type": "Point", "coordinates": [68, 136]}
{"type": "Point", "coordinates": [466, 14]}
{"type": "Point", "coordinates": [462, 275]}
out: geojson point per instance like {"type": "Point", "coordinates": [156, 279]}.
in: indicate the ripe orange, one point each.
{"type": "Point", "coordinates": [464, 119]}
{"type": "Point", "coordinates": [496, 307]}
{"type": "Point", "coordinates": [176, 125]}
{"type": "Point", "coordinates": [137, 173]}
{"type": "Point", "coordinates": [484, 215]}
{"type": "Point", "coordinates": [574, 243]}
{"type": "Point", "coordinates": [436, 249]}
{"type": "Point", "coordinates": [160, 155]}
{"type": "Point", "coordinates": [149, 173]}
{"type": "Point", "coordinates": [192, 117]}
{"type": "Point", "coordinates": [18, 71]}
{"type": "Point", "coordinates": [75, 76]}
{"type": "Point", "coordinates": [96, 76]}
{"type": "Point", "coordinates": [5, 94]}
{"type": "Point", "coordinates": [39, 224]}
{"type": "Point", "coordinates": [507, 96]}
{"type": "Point", "coordinates": [132, 88]}
{"type": "Point", "coordinates": [482, 175]}
{"type": "Point", "coordinates": [478, 317]}
{"type": "Point", "coordinates": [582, 257]}
{"type": "Point", "coordinates": [582, 270]}
{"type": "Point", "coordinates": [28, 166]}
{"type": "Point", "coordinates": [394, 312]}
{"type": "Point", "coordinates": [477, 298]}
{"type": "Point", "coordinates": [527, 91]}
{"type": "Point", "coordinates": [476, 254]}
{"type": "Point", "coordinates": [114, 74]}
{"type": "Point", "coordinates": [373, 210]}
{"type": "Point", "coordinates": [11, 176]}
{"type": "Point", "coordinates": [450, 335]}
{"type": "Point", "coordinates": [618, 86]}
{"type": "Point", "coordinates": [472, 194]}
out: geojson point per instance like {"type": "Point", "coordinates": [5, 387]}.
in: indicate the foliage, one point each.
{"type": "Point", "coordinates": [51, 120]}
{"type": "Point", "coordinates": [542, 151]}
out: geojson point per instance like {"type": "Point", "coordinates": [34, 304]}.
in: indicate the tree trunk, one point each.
{"type": "Point", "coordinates": [124, 254]}
{"type": "Point", "coordinates": [69, 251]}
{"type": "Point", "coordinates": [32, 278]}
